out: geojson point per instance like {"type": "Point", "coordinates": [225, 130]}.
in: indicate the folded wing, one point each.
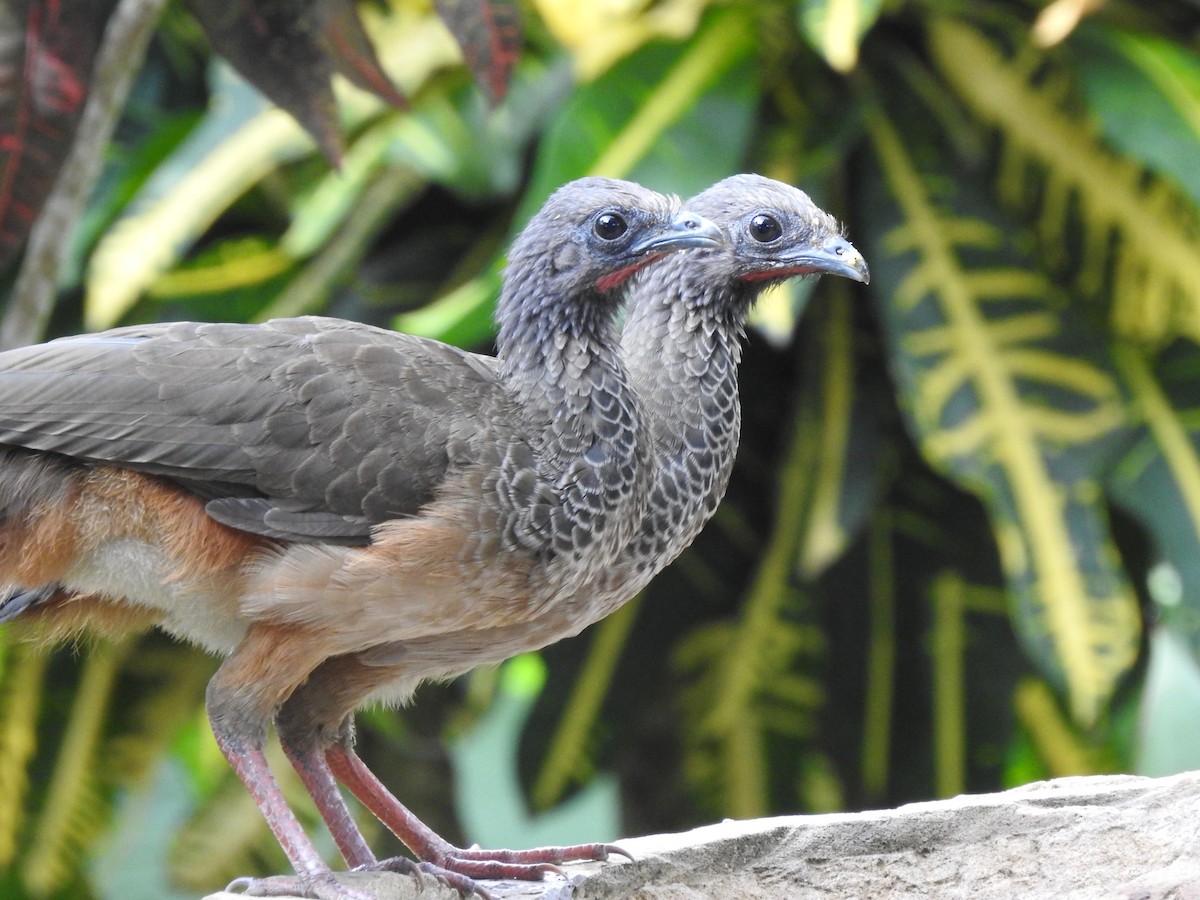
{"type": "Point", "coordinates": [305, 429]}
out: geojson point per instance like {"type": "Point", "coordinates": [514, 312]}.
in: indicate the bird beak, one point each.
{"type": "Point", "coordinates": [686, 231]}
{"type": "Point", "coordinates": [838, 257]}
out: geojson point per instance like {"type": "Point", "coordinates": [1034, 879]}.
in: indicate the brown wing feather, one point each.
{"type": "Point", "coordinates": [306, 429]}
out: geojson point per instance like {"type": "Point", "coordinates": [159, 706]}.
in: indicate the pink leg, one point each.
{"type": "Point", "coordinates": [313, 877]}
{"type": "Point", "coordinates": [241, 700]}
{"type": "Point", "coordinates": [310, 765]}
{"type": "Point", "coordinates": [316, 717]}
{"type": "Point", "coordinates": [526, 865]}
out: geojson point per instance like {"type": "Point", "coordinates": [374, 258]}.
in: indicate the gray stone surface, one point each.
{"type": "Point", "coordinates": [1074, 838]}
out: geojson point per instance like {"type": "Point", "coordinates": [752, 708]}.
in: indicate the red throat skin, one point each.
{"type": "Point", "coordinates": [768, 274]}
{"type": "Point", "coordinates": [607, 282]}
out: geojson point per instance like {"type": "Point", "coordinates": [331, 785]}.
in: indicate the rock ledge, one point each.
{"type": "Point", "coordinates": [1113, 836]}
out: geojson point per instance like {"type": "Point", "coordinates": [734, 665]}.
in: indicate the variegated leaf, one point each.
{"type": "Point", "coordinates": [1158, 480]}
{"type": "Point", "coordinates": [1138, 235]}
{"type": "Point", "coordinates": [1012, 397]}
{"type": "Point", "coordinates": [840, 433]}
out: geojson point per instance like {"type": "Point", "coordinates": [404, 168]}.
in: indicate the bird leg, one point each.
{"type": "Point", "coordinates": [242, 698]}
{"type": "Point", "coordinates": [525, 865]}
{"type": "Point", "coordinates": [331, 691]}
{"type": "Point", "coordinates": [304, 746]}
{"type": "Point", "coordinates": [309, 763]}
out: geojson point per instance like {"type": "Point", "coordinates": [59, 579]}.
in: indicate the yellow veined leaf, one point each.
{"type": "Point", "coordinates": [20, 695]}
{"type": "Point", "coordinates": [74, 808]}
{"type": "Point", "coordinates": [1158, 479]}
{"type": "Point", "coordinates": [1014, 399]}
{"type": "Point", "coordinates": [735, 667]}
{"type": "Point", "coordinates": [1145, 232]}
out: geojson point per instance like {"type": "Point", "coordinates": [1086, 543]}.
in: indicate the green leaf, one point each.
{"type": "Point", "coordinates": [491, 803]}
{"type": "Point", "coordinates": [20, 696]}
{"type": "Point", "coordinates": [747, 681]}
{"type": "Point", "coordinates": [1145, 91]}
{"type": "Point", "coordinates": [237, 143]}
{"type": "Point", "coordinates": [236, 146]}
{"type": "Point", "coordinates": [835, 28]}
{"type": "Point", "coordinates": [475, 151]}
{"type": "Point", "coordinates": [1135, 233]}
{"type": "Point", "coordinates": [841, 434]}
{"type": "Point", "coordinates": [566, 759]}
{"type": "Point", "coordinates": [675, 117]}
{"type": "Point", "coordinates": [1013, 398]}
{"type": "Point", "coordinates": [231, 279]}
{"type": "Point", "coordinates": [75, 808]}
{"type": "Point", "coordinates": [1158, 480]}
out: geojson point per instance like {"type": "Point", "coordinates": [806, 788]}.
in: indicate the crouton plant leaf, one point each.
{"type": "Point", "coordinates": [1008, 395]}
{"type": "Point", "coordinates": [836, 27]}
{"type": "Point", "coordinates": [840, 425]}
{"type": "Point", "coordinates": [489, 32]}
{"type": "Point", "coordinates": [1142, 231]}
{"type": "Point", "coordinates": [1144, 92]}
{"type": "Point", "coordinates": [1158, 480]}
{"type": "Point", "coordinates": [749, 679]}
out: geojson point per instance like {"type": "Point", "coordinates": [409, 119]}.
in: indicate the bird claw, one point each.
{"type": "Point", "coordinates": [458, 868]}
{"type": "Point", "coordinates": [402, 865]}
{"type": "Point", "coordinates": [455, 881]}
{"type": "Point", "coordinates": [543, 858]}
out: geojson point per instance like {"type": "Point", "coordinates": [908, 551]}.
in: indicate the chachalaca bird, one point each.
{"type": "Point", "coordinates": [309, 489]}
{"type": "Point", "coordinates": [682, 343]}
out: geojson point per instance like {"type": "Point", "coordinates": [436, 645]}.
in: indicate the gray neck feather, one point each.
{"type": "Point", "coordinates": [682, 344]}
{"type": "Point", "coordinates": [559, 358]}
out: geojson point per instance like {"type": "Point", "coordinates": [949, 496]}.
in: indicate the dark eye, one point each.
{"type": "Point", "coordinates": [764, 229]}
{"type": "Point", "coordinates": [610, 226]}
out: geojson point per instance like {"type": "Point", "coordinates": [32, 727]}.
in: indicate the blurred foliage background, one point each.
{"type": "Point", "coordinates": [961, 549]}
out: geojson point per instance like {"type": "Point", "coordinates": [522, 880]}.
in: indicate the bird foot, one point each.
{"type": "Point", "coordinates": [324, 886]}
{"type": "Point", "coordinates": [538, 859]}
{"type": "Point", "coordinates": [458, 868]}
{"type": "Point", "coordinates": [402, 865]}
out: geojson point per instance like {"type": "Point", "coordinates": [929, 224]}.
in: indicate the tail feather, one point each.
{"type": "Point", "coordinates": [16, 600]}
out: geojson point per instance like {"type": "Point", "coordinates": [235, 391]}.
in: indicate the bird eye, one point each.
{"type": "Point", "coordinates": [764, 228]}
{"type": "Point", "coordinates": [610, 226]}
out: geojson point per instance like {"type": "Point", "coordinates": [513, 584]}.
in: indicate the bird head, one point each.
{"type": "Point", "coordinates": [593, 234]}
{"type": "Point", "coordinates": [774, 232]}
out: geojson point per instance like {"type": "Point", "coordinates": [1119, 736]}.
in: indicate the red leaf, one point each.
{"type": "Point", "coordinates": [46, 53]}
{"type": "Point", "coordinates": [277, 46]}
{"type": "Point", "coordinates": [489, 32]}
{"type": "Point", "coordinates": [352, 54]}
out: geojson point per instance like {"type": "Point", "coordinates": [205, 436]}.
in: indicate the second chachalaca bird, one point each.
{"type": "Point", "coordinates": [682, 344]}
{"type": "Point", "coordinates": [307, 489]}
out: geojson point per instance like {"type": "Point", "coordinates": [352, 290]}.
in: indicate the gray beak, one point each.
{"type": "Point", "coordinates": [687, 230]}
{"type": "Point", "coordinates": [838, 257]}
